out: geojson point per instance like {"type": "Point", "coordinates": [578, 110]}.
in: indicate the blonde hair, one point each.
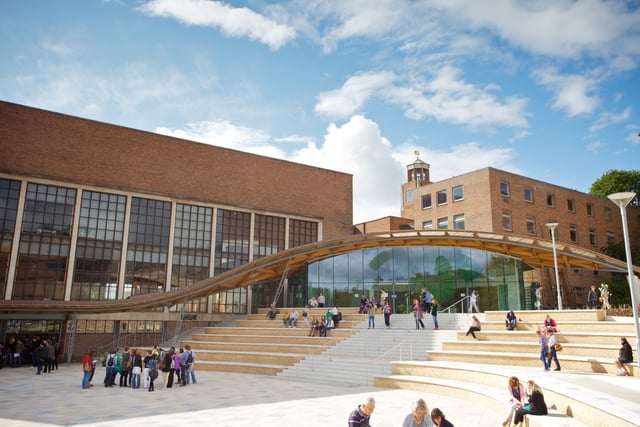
{"type": "Point", "coordinates": [534, 386]}
{"type": "Point", "coordinates": [420, 405]}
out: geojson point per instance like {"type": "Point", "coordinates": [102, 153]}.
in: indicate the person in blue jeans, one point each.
{"type": "Point", "coordinates": [371, 311]}
{"type": "Point", "coordinates": [136, 369]}
{"type": "Point", "coordinates": [544, 349]}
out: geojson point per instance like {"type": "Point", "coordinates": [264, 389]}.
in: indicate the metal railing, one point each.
{"type": "Point", "coordinates": [461, 301]}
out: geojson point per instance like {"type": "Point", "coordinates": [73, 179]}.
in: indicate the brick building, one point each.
{"type": "Point", "coordinates": [94, 211]}
{"type": "Point", "coordinates": [494, 200]}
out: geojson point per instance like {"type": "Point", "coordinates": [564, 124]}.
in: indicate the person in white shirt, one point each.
{"type": "Point", "coordinates": [293, 319]}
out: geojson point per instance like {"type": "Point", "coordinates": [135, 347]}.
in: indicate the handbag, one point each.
{"type": "Point", "coordinates": [137, 370]}
{"type": "Point", "coordinates": [558, 347]}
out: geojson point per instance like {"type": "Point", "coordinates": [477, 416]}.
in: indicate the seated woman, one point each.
{"type": "Point", "coordinates": [273, 312]}
{"type": "Point", "coordinates": [475, 327]}
{"type": "Point", "coordinates": [511, 321]}
{"type": "Point", "coordinates": [537, 405]}
{"type": "Point", "coordinates": [625, 355]}
{"type": "Point", "coordinates": [550, 324]}
{"type": "Point", "coordinates": [516, 399]}
{"type": "Point", "coordinates": [315, 327]}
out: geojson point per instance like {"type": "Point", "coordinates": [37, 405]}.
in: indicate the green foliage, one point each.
{"type": "Point", "coordinates": [616, 181]}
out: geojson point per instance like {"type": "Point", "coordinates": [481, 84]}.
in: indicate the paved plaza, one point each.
{"type": "Point", "coordinates": [219, 398]}
{"type": "Point", "coordinates": [232, 400]}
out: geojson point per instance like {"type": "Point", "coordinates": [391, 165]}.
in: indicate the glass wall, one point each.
{"type": "Point", "coordinates": [99, 246]}
{"type": "Point", "coordinates": [191, 250]}
{"type": "Point", "coordinates": [9, 195]}
{"type": "Point", "coordinates": [44, 244]}
{"type": "Point", "coordinates": [148, 247]}
{"type": "Point", "coordinates": [449, 273]}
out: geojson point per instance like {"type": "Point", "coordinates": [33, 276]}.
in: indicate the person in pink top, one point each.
{"type": "Point", "coordinates": [176, 364]}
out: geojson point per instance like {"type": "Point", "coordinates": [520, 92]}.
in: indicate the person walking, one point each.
{"type": "Point", "coordinates": [473, 301]}
{"type": "Point", "coordinates": [371, 312]}
{"type": "Point", "coordinates": [434, 313]}
{"type": "Point", "coordinates": [552, 342]}
{"type": "Point", "coordinates": [544, 349]}
{"type": "Point", "coordinates": [87, 369]}
{"type": "Point", "coordinates": [592, 297]}
{"type": "Point", "coordinates": [386, 310]}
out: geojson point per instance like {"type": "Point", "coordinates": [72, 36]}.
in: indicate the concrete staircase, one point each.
{"type": "Point", "coordinates": [590, 340]}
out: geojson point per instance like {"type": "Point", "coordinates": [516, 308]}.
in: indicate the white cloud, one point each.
{"type": "Point", "coordinates": [446, 98]}
{"type": "Point", "coordinates": [232, 21]}
{"type": "Point", "coordinates": [594, 146]}
{"type": "Point", "coordinates": [573, 93]}
{"type": "Point", "coordinates": [353, 94]}
{"type": "Point", "coordinates": [608, 119]}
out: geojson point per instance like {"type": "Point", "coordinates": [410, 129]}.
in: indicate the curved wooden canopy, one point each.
{"type": "Point", "coordinates": [532, 251]}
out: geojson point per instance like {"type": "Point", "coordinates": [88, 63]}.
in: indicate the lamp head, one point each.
{"type": "Point", "coordinates": [622, 199]}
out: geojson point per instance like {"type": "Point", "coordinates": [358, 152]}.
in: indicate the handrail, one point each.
{"type": "Point", "coordinates": [448, 309]}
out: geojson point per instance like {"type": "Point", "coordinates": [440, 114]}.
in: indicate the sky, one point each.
{"type": "Point", "coordinates": [545, 89]}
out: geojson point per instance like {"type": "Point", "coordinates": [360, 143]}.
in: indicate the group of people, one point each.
{"type": "Point", "coordinates": [523, 401]}
{"type": "Point", "coordinates": [136, 370]}
{"type": "Point", "coordinates": [42, 352]}
{"type": "Point", "coordinates": [592, 296]}
{"type": "Point", "coordinates": [420, 415]}
{"type": "Point", "coordinates": [425, 305]}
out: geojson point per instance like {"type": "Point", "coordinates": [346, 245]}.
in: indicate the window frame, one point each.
{"type": "Point", "coordinates": [453, 193]}
{"type": "Point", "coordinates": [441, 193]}
{"type": "Point", "coordinates": [551, 200]}
{"type": "Point", "coordinates": [505, 190]}
{"type": "Point", "coordinates": [426, 197]}
{"type": "Point", "coordinates": [530, 191]}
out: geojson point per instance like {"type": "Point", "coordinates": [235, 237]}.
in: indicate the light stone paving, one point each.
{"type": "Point", "coordinates": [219, 398]}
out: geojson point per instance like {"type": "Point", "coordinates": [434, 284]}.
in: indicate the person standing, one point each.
{"type": "Point", "coordinates": [551, 342]}
{"type": "Point", "coordinates": [428, 298]}
{"type": "Point", "coordinates": [539, 298]}
{"type": "Point", "coordinates": [419, 416]}
{"type": "Point", "coordinates": [434, 313]}
{"type": "Point", "coordinates": [604, 296]}
{"type": "Point", "coordinates": [40, 355]}
{"type": "Point", "coordinates": [110, 371]}
{"type": "Point", "coordinates": [321, 300]}
{"type": "Point", "coordinates": [544, 349]}
{"type": "Point", "coordinates": [383, 295]}
{"type": "Point", "coordinates": [136, 368]}
{"type": "Point", "coordinates": [360, 416]}
{"type": "Point", "coordinates": [125, 367]}
{"type": "Point", "coordinates": [371, 312]}
{"type": "Point", "coordinates": [592, 297]}
{"type": "Point", "coordinates": [87, 368]}
{"type": "Point", "coordinates": [169, 367]}
{"type": "Point", "coordinates": [473, 301]}
{"type": "Point", "coordinates": [386, 310]}
{"type": "Point", "coordinates": [625, 355]}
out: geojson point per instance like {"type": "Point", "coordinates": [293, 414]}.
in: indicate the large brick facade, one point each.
{"type": "Point", "coordinates": [49, 145]}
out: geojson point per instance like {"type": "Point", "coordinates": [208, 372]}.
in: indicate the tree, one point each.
{"type": "Point", "coordinates": [616, 181]}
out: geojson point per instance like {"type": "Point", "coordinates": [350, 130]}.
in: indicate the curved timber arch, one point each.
{"type": "Point", "coordinates": [532, 251]}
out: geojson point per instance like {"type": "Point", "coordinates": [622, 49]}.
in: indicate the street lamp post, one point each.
{"type": "Point", "coordinates": [622, 200]}
{"type": "Point", "coordinates": [552, 226]}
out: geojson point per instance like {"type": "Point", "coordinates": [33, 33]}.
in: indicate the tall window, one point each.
{"type": "Point", "coordinates": [607, 213]}
{"type": "Point", "coordinates": [571, 205]}
{"type": "Point", "coordinates": [148, 246]}
{"type": "Point", "coordinates": [191, 250]}
{"type": "Point", "coordinates": [302, 232]}
{"type": "Point", "coordinates": [408, 196]}
{"type": "Point", "coordinates": [551, 200]}
{"type": "Point", "coordinates": [9, 195]}
{"type": "Point", "coordinates": [531, 225]}
{"type": "Point", "coordinates": [426, 201]}
{"type": "Point", "coordinates": [590, 209]}
{"type": "Point", "coordinates": [528, 195]}
{"type": "Point", "coordinates": [268, 236]}
{"type": "Point", "coordinates": [441, 197]}
{"type": "Point", "coordinates": [232, 240]}
{"type": "Point", "coordinates": [45, 242]}
{"type": "Point", "coordinates": [443, 223]}
{"type": "Point", "coordinates": [506, 221]}
{"type": "Point", "coordinates": [593, 241]}
{"type": "Point", "coordinates": [573, 233]}
{"type": "Point", "coordinates": [504, 189]}
{"type": "Point", "coordinates": [457, 193]}
{"type": "Point", "coordinates": [100, 233]}
{"type": "Point", "coordinates": [458, 222]}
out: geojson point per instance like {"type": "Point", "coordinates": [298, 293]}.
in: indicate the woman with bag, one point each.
{"type": "Point", "coordinates": [552, 342]}
{"type": "Point", "coordinates": [136, 369]}
{"type": "Point", "coordinates": [417, 314]}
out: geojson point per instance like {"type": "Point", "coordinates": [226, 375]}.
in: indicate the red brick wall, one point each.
{"type": "Point", "coordinates": [45, 144]}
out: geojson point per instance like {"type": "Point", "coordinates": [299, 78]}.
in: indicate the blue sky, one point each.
{"type": "Point", "coordinates": [546, 89]}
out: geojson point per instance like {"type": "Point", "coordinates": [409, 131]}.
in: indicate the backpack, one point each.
{"type": "Point", "coordinates": [110, 360]}
{"type": "Point", "coordinates": [153, 373]}
{"type": "Point", "coordinates": [189, 359]}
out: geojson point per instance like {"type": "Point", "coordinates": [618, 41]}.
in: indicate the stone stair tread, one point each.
{"type": "Point", "coordinates": [523, 355]}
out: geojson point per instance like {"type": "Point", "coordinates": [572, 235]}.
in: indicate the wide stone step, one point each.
{"type": "Point", "coordinates": [604, 338]}
{"type": "Point", "coordinates": [597, 351]}
{"type": "Point", "coordinates": [621, 328]}
{"type": "Point", "coordinates": [538, 316]}
{"type": "Point", "coordinates": [266, 339]}
{"type": "Point", "coordinates": [246, 368]}
{"type": "Point", "coordinates": [263, 358]}
{"type": "Point", "coordinates": [275, 331]}
{"type": "Point", "coordinates": [262, 323]}
{"type": "Point", "coordinates": [568, 363]}
{"type": "Point", "coordinates": [257, 347]}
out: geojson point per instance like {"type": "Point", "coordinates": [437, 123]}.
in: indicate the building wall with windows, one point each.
{"type": "Point", "coordinates": [490, 199]}
{"type": "Point", "coordinates": [93, 211]}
